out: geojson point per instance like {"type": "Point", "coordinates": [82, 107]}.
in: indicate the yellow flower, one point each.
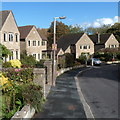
{"type": "Point", "coordinates": [4, 82]}
{"type": "Point", "coordinates": [15, 63]}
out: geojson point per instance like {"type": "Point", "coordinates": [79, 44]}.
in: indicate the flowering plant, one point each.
{"type": "Point", "coordinates": [4, 82]}
{"type": "Point", "coordinates": [15, 63]}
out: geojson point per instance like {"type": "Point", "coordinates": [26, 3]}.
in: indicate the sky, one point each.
{"type": "Point", "coordinates": [84, 14]}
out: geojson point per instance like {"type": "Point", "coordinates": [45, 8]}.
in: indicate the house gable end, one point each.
{"type": "Point", "coordinates": [10, 24]}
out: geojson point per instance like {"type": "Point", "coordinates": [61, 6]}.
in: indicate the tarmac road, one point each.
{"type": "Point", "coordinates": [100, 89]}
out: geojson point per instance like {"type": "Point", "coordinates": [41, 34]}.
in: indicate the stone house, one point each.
{"type": "Point", "coordinates": [32, 42]}
{"type": "Point", "coordinates": [9, 34]}
{"type": "Point", "coordinates": [76, 44]}
{"type": "Point", "coordinates": [104, 41]}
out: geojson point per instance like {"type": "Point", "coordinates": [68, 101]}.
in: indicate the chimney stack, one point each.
{"type": "Point", "coordinates": [98, 37]}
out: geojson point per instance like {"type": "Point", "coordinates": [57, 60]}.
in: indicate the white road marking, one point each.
{"type": "Point", "coordinates": [86, 107]}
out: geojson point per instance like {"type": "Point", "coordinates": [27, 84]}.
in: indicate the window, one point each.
{"type": "Point", "coordinates": [10, 36]}
{"type": "Point", "coordinates": [80, 46]}
{"type": "Point", "coordinates": [5, 37]}
{"type": "Point", "coordinates": [89, 46]}
{"type": "Point", "coordinates": [43, 43]}
{"type": "Point", "coordinates": [38, 43]}
{"type": "Point", "coordinates": [11, 57]}
{"type": "Point", "coordinates": [16, 37]}
{"type": "Point", "coordinates": [34, 55]}
{"type": "Point", "coordinates": [38, 56]}
{"type": "Point", "coordinates": [85, 47]}
{"type": "Point", "coordinates": [29, 43]}
{"type": "Point", "coordinates": [34, 43]}
{"type": "Point", "coordinates": [17, 54]}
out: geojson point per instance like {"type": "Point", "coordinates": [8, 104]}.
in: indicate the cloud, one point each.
{"type": "Point", "coordinates": [101, 21]}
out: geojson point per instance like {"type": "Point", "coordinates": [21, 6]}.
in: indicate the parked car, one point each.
{"type": "Point", "coordinates": [95, 61]}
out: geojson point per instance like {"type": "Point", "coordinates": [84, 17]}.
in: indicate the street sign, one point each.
{"type": "Point", "coordinates": [54, 46]}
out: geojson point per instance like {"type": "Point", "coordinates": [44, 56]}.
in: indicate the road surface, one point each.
{"type": "Point", "coordinates": [99, 86]}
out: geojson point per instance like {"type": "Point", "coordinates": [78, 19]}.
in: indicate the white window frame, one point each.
{"type": "Point", "coordinates": [5, 37]}
{"type": "Point", "coordinates": [81, 46]}
{"type": "Point", "coordinates": [29, 43]}
{"type": "Point", "coordinates": [38, 56]}
{"type": "Point", "coordinates": [11, 37]}
{"type": "Point", "coordinates": [38, 43]}
{"type": "Point", "coordinates": [85, 47]}
{"type": "Point", "coordinates": [34, 43]}
{"type": "Point", "coordinates": [17, 54]}
{"type": "Point", "coordinates": [43, 43]}
{"type": "Point", "coordinates": [34, 55]}
{"type": "Point", "coordinates": [16, 37]}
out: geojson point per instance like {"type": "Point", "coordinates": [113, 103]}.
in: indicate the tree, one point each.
{"type": "Point", "coordinates": [101, 30]}
{"type": "Point", "coordinates": [43, 31]}
{"type": "Point", "coordinates": [76, 29]}
{"type": "Point", "coordinates": [61, 29]}
{"type": "Point", "coordinates": [115, 29]}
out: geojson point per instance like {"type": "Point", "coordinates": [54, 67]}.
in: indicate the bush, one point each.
{"type": "Point", "coordinates": [18, 90]}
{"type": "Point", "coordinates": [69, 60]}
{"type": "Point", "coordinates": [20, 75]}
{"type": "Point", "coordinates": [28, 61]}
{"type": "Point", "coordinates": [12, 63]}
{"type": "Point", "coordinates": [7, 65]}
{"type": "Point", "coordinates": [40, 64]}
{"type": "Point", "coordinates": [118, 56]}
{"type": "Point", "coordinates": [33, 95]}
{"type": "Point", "coordinates": [82, 59]}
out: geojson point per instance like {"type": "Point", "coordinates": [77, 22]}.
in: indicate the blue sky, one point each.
{"type": "Point", "coordinates": [83, 13]}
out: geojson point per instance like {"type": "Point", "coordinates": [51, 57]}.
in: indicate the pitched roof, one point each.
{"type": "Point", "coordinates": [3, 17]}
{"type": "Point", "coordinates": [103, 38]}
{"type": "Point", "coordinates": [42, 35]}
{"type": "Point", "coordinates": [24, 31]}
{"type": "Point", "coordinates": [65, 41]}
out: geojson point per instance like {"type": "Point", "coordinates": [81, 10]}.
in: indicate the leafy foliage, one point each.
{"type": "Point", "coordinates": [115, 29]}
{"type": "Point", "coordinates": [76, 29]}
{"type": "Point", "coordinates": [27, 61]}
{"type": "Point", "coordinates": [33, 95]}
{"type": "Point", "coordinates": [101, 30]}
{"type": "Point", "coordinates": [5, 51]}
{"type": "Point", "coordinates": [61, 29]}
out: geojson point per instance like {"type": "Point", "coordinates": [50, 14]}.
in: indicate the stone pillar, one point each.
{"type": "Point", "coordinates": [48, 65]}
{"type": "Point", "coordinates": [40, 77]}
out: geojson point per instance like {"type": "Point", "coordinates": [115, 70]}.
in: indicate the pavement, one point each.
{"type": "Point", "coordinates": [63, 100]}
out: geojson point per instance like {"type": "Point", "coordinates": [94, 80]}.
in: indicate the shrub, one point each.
{"type": "Point", "coordinates": [7, 65]}
{"type": "Point", "coordinates": [15, 63]}
{"type": "Point", "coordinates": [33, 95]}
{"type": "Point", "coordinates": [12, 63]}
{"type": "Point", "coordinates": [40, 64]}
{"type": "Point", "coordinates": [69, 60]}
{"type": "Point", "coordinates": [28, 61]}
{"type": "Point", "coordinates": [20, 75]}
{"type": "Point", "coordinates": [82, 59]}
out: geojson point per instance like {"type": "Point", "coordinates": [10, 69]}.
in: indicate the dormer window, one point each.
{"type": "Point", "coordinates": [10, 36]}
{"type": "Point", "coordinates": [5, 37]}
